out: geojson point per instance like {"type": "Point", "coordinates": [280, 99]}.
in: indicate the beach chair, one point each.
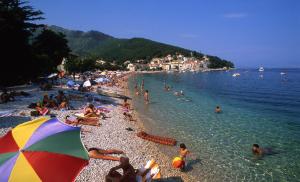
{"type": "Point", "coordinates": [152, 172]}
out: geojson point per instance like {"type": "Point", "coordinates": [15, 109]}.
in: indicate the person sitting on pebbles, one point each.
{"type": "Point", "coordinates": [49, 102]}
{"type": "Point", "coordinates": [126, 105]}
{"type": "Point", "coordinates": [91, 111]}
{"type": "Point", "coordinates": [128, 116]}
{"type": "Point", "coordinates": [129, 173]}
{"type": "Point", "coordinates": [62, 100]}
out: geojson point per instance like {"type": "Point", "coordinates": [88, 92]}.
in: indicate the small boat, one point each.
{"type": "Point", "coordinates": [236, 74]}
{"type": "Point", "coordinates": [261, 69]}
{"type": "Point", "coordinates": [282, 73]}
{"type": "Point", "coordinates": [157, 139]}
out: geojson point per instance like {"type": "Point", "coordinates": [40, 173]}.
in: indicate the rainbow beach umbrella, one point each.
{"type": "Point", "coordinates": [42, 150]}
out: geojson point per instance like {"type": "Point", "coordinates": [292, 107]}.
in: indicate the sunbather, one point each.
{"type": "Point", "coordinates": [49, 102]}
{"type": "Point", "coordinates": [61, 97]}
{"type": "Point", "coordinates": [96, 153]}
{"type": "Point", "coordinates": [6, 97]}
{"type": "Point", "coordinates": [84, 121]}
{"type": "Point", "coordinates": [91, 111]}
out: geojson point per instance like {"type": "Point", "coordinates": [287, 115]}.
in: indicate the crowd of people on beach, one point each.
{"type": "Point", "coordinates": [92, 115]}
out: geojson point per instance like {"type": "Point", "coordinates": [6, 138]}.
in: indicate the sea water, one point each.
{"type": "Point", "coordinates": [262, 108]}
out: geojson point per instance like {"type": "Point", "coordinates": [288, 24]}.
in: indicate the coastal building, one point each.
{"type": "Point", "coordinates": [131, 67]}
{"type": "Point", "coordinates": [100, 62]}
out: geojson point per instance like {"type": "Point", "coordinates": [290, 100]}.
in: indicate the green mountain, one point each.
{"type": "Point", "coordinates": [99, 45]}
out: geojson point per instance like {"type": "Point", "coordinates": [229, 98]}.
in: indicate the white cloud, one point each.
{"type": "Point", "coordinates": [235, 15]}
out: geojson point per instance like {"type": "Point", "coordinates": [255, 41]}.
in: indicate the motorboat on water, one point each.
{"type": "Point", "coordinates": [282, 73]}
{"type": "Point", "coordinates": [236, 74]}
{"type": "Point", "coordinates": [261, 69]}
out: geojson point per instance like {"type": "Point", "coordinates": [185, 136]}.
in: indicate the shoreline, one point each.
{"type": "Point", "coordinates": [165, 160]}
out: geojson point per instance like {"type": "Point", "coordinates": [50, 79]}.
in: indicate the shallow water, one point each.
{"type": "Point", "coordinates": [263, 110]}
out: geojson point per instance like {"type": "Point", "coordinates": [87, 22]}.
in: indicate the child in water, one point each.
{"type": "Point", "coordinates": [183, 152]}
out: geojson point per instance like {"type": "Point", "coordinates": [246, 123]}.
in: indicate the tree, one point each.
{"type": "Point", "coordinates": [16, 27]}
{"type": "Point", "coordinates": [53, 45]}
{"type": "Point", "coordinates": [72, 66]}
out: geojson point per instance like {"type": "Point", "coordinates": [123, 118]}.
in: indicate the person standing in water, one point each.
{"type": "Point", "coordinates": [183, 152]}
{"type": "Point", "coordinates": [146, 97]}
{"type": "Point", "coordinates": [136, 90]}
{"type": "Point", "coordinates": [142, 85]}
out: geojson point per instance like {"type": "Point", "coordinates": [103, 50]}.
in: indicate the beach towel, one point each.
{"type": "Point", "coordinates": [103, 109]}
{"type": "Point", "coordinates": [43, 111]}
{"type": "Point", "coordinates": [154, 172]}
{"type": "Point", "coordinates": [70, 83]}
{"type": "Point", "coordinates": [6, 113]}
{"type": "Point", "coordinates": [81, 115]}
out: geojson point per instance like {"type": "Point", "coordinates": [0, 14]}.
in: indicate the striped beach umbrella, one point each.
{"type": "Point", "coordinates": [42, 150]}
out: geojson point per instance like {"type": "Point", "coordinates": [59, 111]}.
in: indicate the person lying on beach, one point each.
{"type": "Point", "coordinates": [71, 120]}
{"type": "Point", "coordinates": [6, 97]}
{"type": "Point", "coordinates": [183, 152]}
{"type": "Point", "coordinates": [125, 104]}
{"type": "Point", "coordinates": [146, 97]}
{"type": "Point", "coordinates": [96, 153]}
{"type": "Point", "coordinates": [128, 116]}
{"type": "Point", "coordinates": [91, 111]}
{"type": "Point", "coordinates": [218, 109]}
{"type": "Point", "coordinates": [129, 174]}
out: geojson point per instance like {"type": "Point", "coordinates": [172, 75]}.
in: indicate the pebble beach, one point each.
{"type": "Point", "coordinates": [111, 134]}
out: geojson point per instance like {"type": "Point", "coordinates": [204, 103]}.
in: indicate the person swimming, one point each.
{"type": "Point", "coordinates": [218, 109]}
{"type": "Point", "coordinates": [179, 93]}
{"type": "Point", "coordinates": [257, 150]}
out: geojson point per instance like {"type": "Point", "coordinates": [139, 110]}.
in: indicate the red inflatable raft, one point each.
{"type": "Point", "coordinates": [157, 139]}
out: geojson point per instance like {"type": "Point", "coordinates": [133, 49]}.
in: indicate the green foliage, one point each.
{"type": "Point", "coordinates": [79, 65]}
{"type": "Point", "coordinates": [98, 45]}
{"type": "Point", "coordinates": [216, 62]}
{"type": "Point", "coordinates": [52, 44]}
{"type": "Point", "coordinates": [16, 27]}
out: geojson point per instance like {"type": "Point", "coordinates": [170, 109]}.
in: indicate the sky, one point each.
{"type": "Point", "coordinates": [250, 33]}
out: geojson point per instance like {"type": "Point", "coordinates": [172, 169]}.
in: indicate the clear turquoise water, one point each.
{"type": "Point", "coordinates": [255, 110]}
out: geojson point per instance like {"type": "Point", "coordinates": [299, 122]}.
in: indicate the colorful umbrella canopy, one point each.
{"type": "Point", "coordinates": [42, 150]}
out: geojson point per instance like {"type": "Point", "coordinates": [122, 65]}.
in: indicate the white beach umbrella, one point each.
{"type": "Point", "coordinates": [87, 83]}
